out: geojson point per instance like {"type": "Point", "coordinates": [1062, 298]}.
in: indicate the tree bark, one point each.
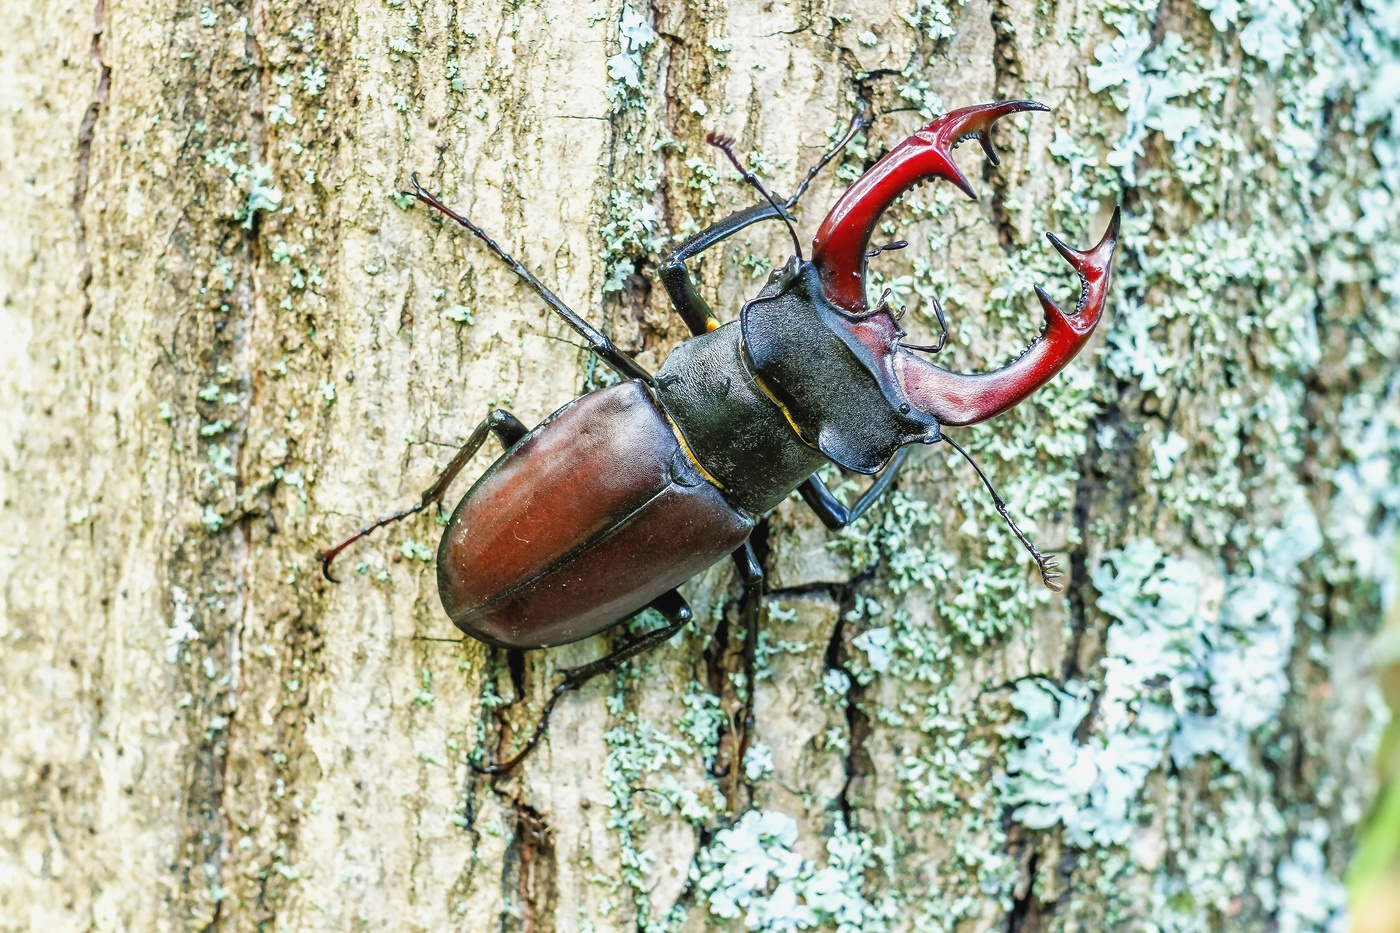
{"type": "Point", "coordinates": [230, 340]}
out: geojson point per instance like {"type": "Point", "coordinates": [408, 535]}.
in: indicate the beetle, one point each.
{"type": "Point", "coordinates": [626, 492]}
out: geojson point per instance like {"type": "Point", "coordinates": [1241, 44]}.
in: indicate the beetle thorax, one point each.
{"type": "Point", "coordinates": [762, 402]}
{"type": "Point", "coordinates": [734, 432]}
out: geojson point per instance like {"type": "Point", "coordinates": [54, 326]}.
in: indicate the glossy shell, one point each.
{"type": "Point", "coordinates": [586, 520]}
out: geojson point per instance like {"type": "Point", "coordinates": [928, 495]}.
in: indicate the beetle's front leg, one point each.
{"type": "Point", "coordinates": [831, 511]}
{"type": "Point", "coordinates": [675, 277]}
{"type": "Point", "coordinates": [692, 308]}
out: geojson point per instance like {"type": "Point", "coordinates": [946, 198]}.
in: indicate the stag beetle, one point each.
{"type": "Point", "coordinates": [628, 491]}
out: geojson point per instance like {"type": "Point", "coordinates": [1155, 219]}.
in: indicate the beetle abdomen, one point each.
{"type": "Point", "coordinates": [586, 520]}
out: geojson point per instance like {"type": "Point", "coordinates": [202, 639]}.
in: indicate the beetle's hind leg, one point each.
{"type": "Point", "coordinates": [500, 422]}
{"type": "Point", "coordinates": [677, 613]}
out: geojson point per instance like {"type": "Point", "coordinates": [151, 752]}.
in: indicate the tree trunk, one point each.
{"type": "Point", "coordinates": [230, 340]}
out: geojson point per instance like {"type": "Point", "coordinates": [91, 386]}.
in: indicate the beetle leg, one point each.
{"type": "Point", "coordinates": [831, 511]}
{"type": "Point", "coordinates": [746, 562]}
{"type": "Point", "coordinates": [1049, 566]}
{"type": "Point", "coordinates": [500, 422]}
{"type": "Point", "coordinates": [674, 275]}
{"type": "Point", "coordinates": [888, 247]}
{"type": "Point", "coordinates": [677, 612]}
{"type": "Point", "coordinates": [942, 334]}
{"type": "Point", "coordinates": [602, 347]}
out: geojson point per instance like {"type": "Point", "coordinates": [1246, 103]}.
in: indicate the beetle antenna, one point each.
{"type": "Point", "coordinates": [858, 122]}
{"type": "Point", "coordinates": [1049, 567]}
{"type": "Point", "coordinates": [601, 346]}
{"type": "Point", "coordinates": [725, 144]}
{"type": "Point", "coordinates": [942, 336]}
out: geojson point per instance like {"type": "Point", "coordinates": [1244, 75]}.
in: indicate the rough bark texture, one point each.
{"type": "Point", "coordinates": [227, 341]}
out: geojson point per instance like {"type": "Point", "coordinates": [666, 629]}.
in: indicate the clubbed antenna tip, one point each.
{"type": "Point", "coordinates": [725, 144]}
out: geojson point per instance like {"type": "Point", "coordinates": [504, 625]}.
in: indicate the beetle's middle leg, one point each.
{"type": "Point", "coordinates": [500, 422]}
{"type": "Point", "coordinates": [598, 342]}
{"type": "Point", "coordinates": [677, 613]}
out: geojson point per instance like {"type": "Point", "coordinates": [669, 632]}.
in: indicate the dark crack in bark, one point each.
{"type": "Point", "coordinates": [87, 132]}
{"type": "Point", "coordinates": [856, 762]}
{"type": "Point", "coordinates": [1081, 592]}
{"type": "Point", "coordinates": [1025, 914]}
{"type": "Point", "coordinates": [529, 879]}
{"type": "Point", "coordinates": [1008, 85]}
{"type": "Point", "coordinates": [1005, 51]}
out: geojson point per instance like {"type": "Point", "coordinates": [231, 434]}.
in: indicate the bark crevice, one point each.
{"type": "Point", "coordinates": [87, 133]}
{"type": "Point", "coordinates": [529, 877]}
{"type": "Point", "coordinates": [854, 761]}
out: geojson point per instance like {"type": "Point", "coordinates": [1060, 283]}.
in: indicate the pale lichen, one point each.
{"type": "Point", "coordinates": [751, 871]}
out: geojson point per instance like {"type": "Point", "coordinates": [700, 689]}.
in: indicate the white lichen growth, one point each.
{"type": "Point", "coordinates": [181, 628]}
{"type": "Point", "coordinates": [635, 35]}
{"type": "Point", "coordinates": [750, 871]}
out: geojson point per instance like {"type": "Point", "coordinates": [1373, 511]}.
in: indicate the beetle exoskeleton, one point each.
{"type": "Point", "coordinates": [627, 492]}
{"type": "Point", "coordinates": [559, 538]}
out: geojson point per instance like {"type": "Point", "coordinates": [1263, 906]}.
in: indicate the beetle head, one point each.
{"type": "Point", "coordinates": [832, 372]}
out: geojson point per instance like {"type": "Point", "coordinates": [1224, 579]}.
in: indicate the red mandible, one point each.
{"type": "Point", "coordinates": [839, 253]}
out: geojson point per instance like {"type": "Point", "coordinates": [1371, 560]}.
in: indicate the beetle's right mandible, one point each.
{"type": "Point", "coordinates": [840, 250]}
